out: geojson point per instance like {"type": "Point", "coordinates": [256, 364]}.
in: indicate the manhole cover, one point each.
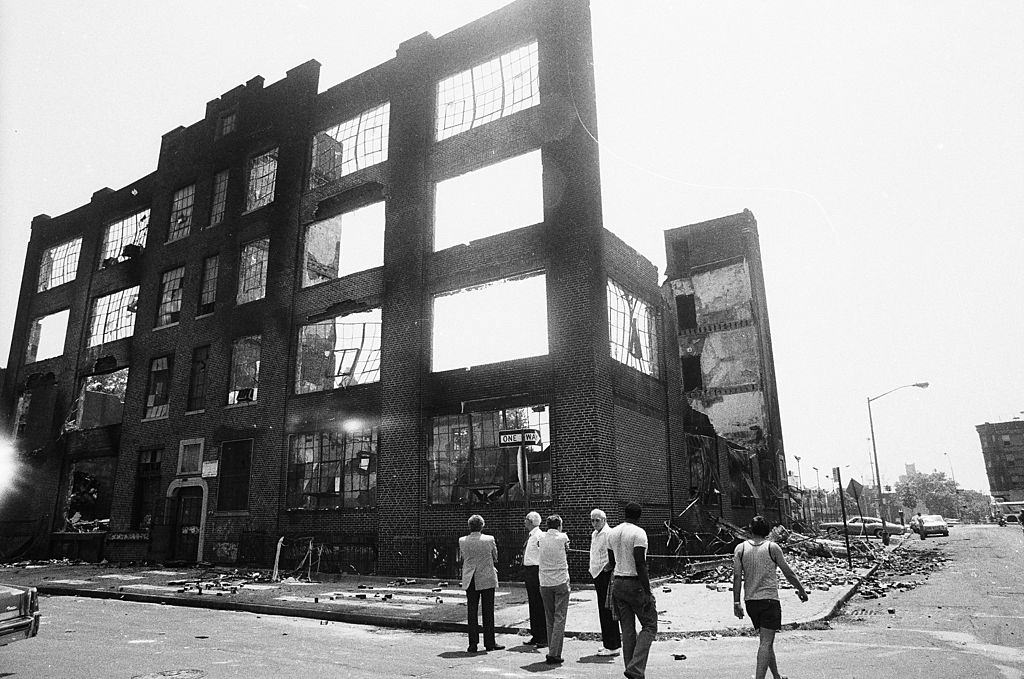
{"type": "Point", "coordinates": [173, 674]}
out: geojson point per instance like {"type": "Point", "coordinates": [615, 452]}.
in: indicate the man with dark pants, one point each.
{"type": "Point", "coordinates": [610, 637]}
{"type": "Point", "coordinates": [631, 591]}
{"type": "Point", "coordinates": [531, 573]}
{"type": "Point", "coordinates": [478, 554]}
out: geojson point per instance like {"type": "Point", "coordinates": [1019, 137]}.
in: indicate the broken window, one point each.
{"type": "Point", "coordinates": [235, 463]}
{"type": "Point", "coordinates": [190, 456]}
{"type": "Point", "coordinates": [46, 336]}
{"type": "Point", "coordinates": [488, 91]}
{"type": "Point", "coordinates": [100, 401]}
{"type": "Point", "coordinates": [339, 352]}
{"type": "Point", "coordinates": [262, 177]}
{"type": "Point", "coordinates": [245, 370]}
{"type": "Point", "coordinates": [220, 197]}
{"type": "Point", "coordinates": [90, 491]}
{"type": "Point", "coordinates": [632, 330]}
{"type": "Point", "coordinates": [693, 377]}
{"type": "Point", "coordinates": [197, 380]}
{"type": "Point", "coordinates": [333, 469]}
{"type": "Point", "coordinates": [686, 312]}
{"type": "Point", "coordinates": [208, 286]}
{"type": "Point", "coordinates": [120, 234]}
{"type": "Point", "coordinates": [344, 244]}
{"type": "Point", "coordinates": [350, 146]}
{"type": "Point", "coordinates": [227, 122]}
{"type": "Point", "coordinates": [491, 200]}
{"type": "Point", "coordinates": [498, 321]}
{"type": "Point", "coordinates": [21, 414]}
{"type": "Point", "coordinates": [252, 271]}
{"type": "Point", "coordinates": [169, 310]}
{"type": "Point", "coordinates": [467, 465]}
{"type": "Point", "coordinates": [59, 264]}
{"type": "Point", "coordinates": [158, 392]}
{"type": "Point", "coordinates": [113, 316]}
{"type": "Point", "coordinates": [181, 213]}
{"type": "Point", "coordinates": [704, 473]}
{"type": "Point", "coordinates": [147, 488]}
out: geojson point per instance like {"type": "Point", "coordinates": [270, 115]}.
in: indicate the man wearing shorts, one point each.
{"type": "Point", "coordinates": [754, 565]}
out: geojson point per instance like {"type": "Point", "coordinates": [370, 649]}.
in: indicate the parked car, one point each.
{"type": "Point", "coordinates": [952, 522]}
{"type": "Point", "coordinates": [861, 525]}
{"type": "Point", "coordinates": [933, 524]}
{"type": "Point", "coordinates": [19, 613]}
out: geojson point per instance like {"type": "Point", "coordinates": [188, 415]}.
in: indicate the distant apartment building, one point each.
{"type": "Point", "coordinates": [1002, 446]}
{"type": "Point", "coordinates": [352, 319]}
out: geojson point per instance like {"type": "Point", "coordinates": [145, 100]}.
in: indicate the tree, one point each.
{"type": "Point", "coordinates": [937, 493]}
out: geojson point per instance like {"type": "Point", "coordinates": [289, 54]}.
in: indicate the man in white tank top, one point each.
{"type": "Point", "coordinates": [754, 566]}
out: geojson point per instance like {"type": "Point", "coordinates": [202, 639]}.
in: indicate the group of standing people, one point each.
{"type": "Point", "coordinates": [618, 569]}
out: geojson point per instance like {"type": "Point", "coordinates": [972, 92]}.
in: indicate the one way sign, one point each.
{"type": "Point", "coordinates": [518, 437]}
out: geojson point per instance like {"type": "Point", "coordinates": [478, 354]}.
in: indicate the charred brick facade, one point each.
{"type": "Point", "coordinates": [216, 444]}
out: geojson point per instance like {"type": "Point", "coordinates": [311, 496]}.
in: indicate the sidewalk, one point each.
{"type": "Point", "coordinates": [683, 609]}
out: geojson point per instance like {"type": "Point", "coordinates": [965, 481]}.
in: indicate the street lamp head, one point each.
{"type": "Point", "coordinates": [921, 385]}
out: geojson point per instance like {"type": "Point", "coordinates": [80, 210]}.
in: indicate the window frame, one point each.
{"type": "Point", "coordinates": [349, 453]}
{"type": "Point", "coordinates": [208, 286]}
{"type": "Point", "coordinates": [630, 331]}
{"type": "Point", "coordinates": [356, 365]}
{"type": "Point", "coordinates": [219, 197]}
{"type": "Point", "coordinates": [352, 138]}
{"type": "Point", "coordinates": [245, 268]}
{"type": "Point", "coordinates": [234, 380]}
{"type": "Point", "coordinates": [139, 220]}
{"type": "Point", "coordinates": [64, 259]}
{"type": "Point", "coordinates": [121, 330]}
{"type": "Point", "coordinates": [200, 376]}
{"type": "Point", "coordinates": [168, 311]}
{"type": "Point", "coordinates": [183, 204]}
{"type": "Point", "coordinates": [148, 477]}
{"type": "Point", "coordinates": [254, 183]}
{"type": "Point", "coordinates": [201, 442]}
{"type": "Point", "coordinates": [237, 501]}
{"type": "Point", "coordinates": [158, 388]}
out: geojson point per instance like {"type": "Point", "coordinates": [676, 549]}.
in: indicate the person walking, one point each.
{"type": "Point", "coordinates": [754, 565]}
{"type": "Point", "coordinates": [478, 554]}
{"type": "Point", "coordinates": [631, 591]}
{"type": "Point", "coordinates": [531, 565]}
{"type": "Point", "coordinates": [553, 548]}
{"type": "Point", "coordinates": [611, 638]}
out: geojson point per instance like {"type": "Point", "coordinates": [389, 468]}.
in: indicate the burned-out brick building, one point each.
{"type": "Point", "coordinates": [1002, 446]}
{"type": "Point", "coordinates": [715, 283]}
{"type": "Point", "coordinates": [349, 319]}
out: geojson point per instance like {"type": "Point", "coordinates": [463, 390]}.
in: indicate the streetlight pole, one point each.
{"type": "Point", "coordinates": [800, 485]}
{"type": "Point", "coordinates": [817, 492]}
{"type": "Point", "coordinates": [874, 452]}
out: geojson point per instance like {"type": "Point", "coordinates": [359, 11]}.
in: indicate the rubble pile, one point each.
{"type": "Point", "coordinates": [819, 573]}
{"type": "Point", "coordinates": [902, 571]}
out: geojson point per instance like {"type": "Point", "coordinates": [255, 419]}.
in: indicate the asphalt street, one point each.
{"type": "Point", "coordinates": [965, 620]}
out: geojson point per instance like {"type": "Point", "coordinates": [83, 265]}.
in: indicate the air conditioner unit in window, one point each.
{"type": "Point", "coordinates": [245, 395]}
{"type": "Point", "coordinates": [131, 250]}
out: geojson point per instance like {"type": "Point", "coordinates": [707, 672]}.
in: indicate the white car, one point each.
{"type": "Point", "coordinates": [19, 613]}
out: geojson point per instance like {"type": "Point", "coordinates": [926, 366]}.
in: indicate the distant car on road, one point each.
{"type": "Point", "coordinates": [933, 524]}
{"type": "Point", "coordinates": [19, 613]}
{"type": "Point", "coordinates": [952, 522]}
{"type": "Point", "coordinates": [861, 525]}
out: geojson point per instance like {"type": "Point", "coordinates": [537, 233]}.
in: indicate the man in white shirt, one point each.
{"type": "Point", "coordinates": [610, 637]}
{"type": "Point", "coordinates": [631, 591]}
{"type": "Point", "coordinates": [531, 574]}
{"type": "Point", "coordinates": [553, 547]}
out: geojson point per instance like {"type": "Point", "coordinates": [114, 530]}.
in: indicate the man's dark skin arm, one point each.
{"type": "Point", "coordinates": [610, 566]}
{"type": "Point", "coordinates": [640, 558]}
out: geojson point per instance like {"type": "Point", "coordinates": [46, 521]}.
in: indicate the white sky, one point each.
{"type": "Point", "coordinates": [879, 145]}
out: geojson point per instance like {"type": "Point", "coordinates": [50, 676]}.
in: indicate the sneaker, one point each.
{"type": "Point", "coordinates": [608, 652]}
{"type": "Point", "coordinates": [552, 660]}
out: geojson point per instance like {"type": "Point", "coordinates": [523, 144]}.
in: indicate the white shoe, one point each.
{"type": "Point", "coordinates": [608, 652]}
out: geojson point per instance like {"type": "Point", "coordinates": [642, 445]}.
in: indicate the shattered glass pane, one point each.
{"type": "Point", "coordinates": [350, 146]}
{"type": "Point", "coordinates": [632, 330]}
{"type": "Point", "coordinates": [59, 264]}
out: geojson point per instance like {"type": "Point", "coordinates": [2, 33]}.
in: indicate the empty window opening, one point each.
{"type": "Point", "coordinates": [208, 286]}
{"type": "Point", "coordinates": [339, 352]}
{"type": "Point", "coordinates": [252, 271]}
{"type": "Point", "coordinates": [220, 197]}
{"type": "Point", "coordinates": [197, 379]}
{"type": "Point", "coordinates": [488, 91]}
{"type": "Point", "coordinates": [227, 122]}
{"type": "Point", "coordinates": [100, 401]}
{"type": "Point", "coordinates": [632, 330]}
{"type": "Point", "coordinates": [89, 495]}
{"type": "Point", "coordinates": [693, 378]}
{"type": "Point", "coordinates": [334, 469]}
{"type": "Point", "coordinates": [190, 456]}
{"type": "Point", "coordinates": [245, 370]}
{"type": "Point", "coordinates": [21, 414]}
{"type": "Point", "coordinates": [158, 392]}
{"type": "Point", "coordinates": [499, 321]}
{"type": "Point", "coordinates": [46, 336]}
{"type": "Point", "coordinates": [120, 234]}
{"type": "Point", "coordinates": [169, 310]}
{"type": "Point", "coordinates": [147, 488]}
{"type": "Point", "coordinates": [466, 464]}
{"type": "Point", "coordinates": [350, 146]}
{"type": "Point", "coordinates": [113, 316]}
{"type": "Point", "coordinates": [181, 213]}
{"type": "Point", "coordinates": [59, 264]}
{"type": "Point", "coordinates": [344, 244]}
{"type": "Point", "coordinates": [494, 199]}
{"type": "Point", "coordinates": [234, 468]}
{"type": "Point", "coordinates": [262, 178]}
{"type": "Point", "coordinates": [686, 312]}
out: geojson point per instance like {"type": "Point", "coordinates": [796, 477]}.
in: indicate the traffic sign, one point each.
{"type": "Point", "coordinates": [518, 437]}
